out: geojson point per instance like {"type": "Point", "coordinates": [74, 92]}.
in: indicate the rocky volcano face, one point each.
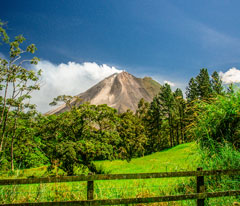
{"type": "Point", "coordinates": [121, 91]}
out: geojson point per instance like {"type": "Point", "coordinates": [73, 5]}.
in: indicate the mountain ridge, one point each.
{"type": "Point", "coordinates": [121, 91]}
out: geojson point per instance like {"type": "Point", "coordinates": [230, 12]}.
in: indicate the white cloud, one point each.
{"type": "Point", "coordinates": [170, 83]}
{"type": "Point", "coordinates": [70, 79]}
{"type": "Point", "coordinates": [230, 76]}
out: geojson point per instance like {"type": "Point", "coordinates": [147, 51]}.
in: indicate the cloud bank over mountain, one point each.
{"type": "Point", "coordinates": [73, 78]}
{"type": "Point", "coordinates": [70, 79]}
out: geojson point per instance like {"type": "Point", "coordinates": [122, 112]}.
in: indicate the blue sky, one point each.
{"type": "Point", "coordinates": [168, 40]}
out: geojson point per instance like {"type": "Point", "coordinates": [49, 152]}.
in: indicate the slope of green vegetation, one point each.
{"type": "Point", "coordinates": [153, 87]}
{"type": "Point", "coordinates": [181, 157]}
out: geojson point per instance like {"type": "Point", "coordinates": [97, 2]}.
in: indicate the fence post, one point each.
{"type": "Point", "coordinates": [200, 188]}
{"type": "Point", "coordinates": [90, 190]}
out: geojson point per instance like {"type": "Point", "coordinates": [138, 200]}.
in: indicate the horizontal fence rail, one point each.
{"type": "Point", "coordinates": [135, 200]}
{"type": "Point", "coordinates": [118, 177]}
{"type": "Point", "coordinates": [200, 194]}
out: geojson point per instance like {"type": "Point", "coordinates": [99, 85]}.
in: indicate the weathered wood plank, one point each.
{"type": "Point", "coordinates": [200, 188]}
{"type": "Point", "coordinates": [134, 200]}
{"type": "Point", "coordinates": [118, 177]}
{"type": "Point", "coordinates": [90, 190]}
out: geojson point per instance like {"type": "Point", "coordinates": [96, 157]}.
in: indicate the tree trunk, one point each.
{"type": "Point", "coordinates": [4, 129]}
{"type": "Point", "coordinates": [4, 100]}
{"type": "Point", "coordinates": [13, 138]}
{"type": "Point", "coordinates": [12, 165]}
{"type": "Point", "coordinates": [171, 129]}
{"type": "Point", "coordinates": [181, 126]}
{"type": "Point", "coordinates": [177, 128]}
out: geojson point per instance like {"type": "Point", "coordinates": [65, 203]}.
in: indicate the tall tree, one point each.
{"type": "Point", "coordinates": [143, 107]}
{"type": "Point", "coordinates": [132, 134]}
{"type": "Point", "coordinates": [216, 83]}
{"type": "Point", "coordinates": [192, 90]}
{"type": "Point", "coordinates": [153, 124]}
{"type": "Point", "coordinates": [168, 108]}
{"type": "Point", "coordinates": [17, 83]}
{"type": "Point", "coordinates": [162, 110]}
{"type": "Point", "coordinates": [204, 84]}
{"type": "Point", "coordinates": [180, 111]}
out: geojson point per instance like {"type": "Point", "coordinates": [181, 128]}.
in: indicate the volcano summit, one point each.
{"type": "Point", "coordinates": [121, 91]}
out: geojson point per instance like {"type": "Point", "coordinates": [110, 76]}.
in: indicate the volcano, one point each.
{"type": "Point", "coordinates": [121, 91]}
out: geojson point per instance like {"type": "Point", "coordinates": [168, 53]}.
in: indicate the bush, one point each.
{"type": "Point", "coordinates": [218, 122]}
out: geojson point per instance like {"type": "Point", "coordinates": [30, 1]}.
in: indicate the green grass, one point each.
{"type": "Point", "coordinates": [181, 157]}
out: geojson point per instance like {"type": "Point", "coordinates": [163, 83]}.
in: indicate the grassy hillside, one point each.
{"type": "Point", "coordinates": [178, 158]}
{"type": "Point", "coordinates": [181, 157]}
{"type": "Point", "coordinates": [152, 86]}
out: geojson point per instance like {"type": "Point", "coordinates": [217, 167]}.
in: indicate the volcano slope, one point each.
{"type": "Point", "coordinates": [121, 91]}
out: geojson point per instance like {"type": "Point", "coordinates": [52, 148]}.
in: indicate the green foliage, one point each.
{"type": "Point", "coordinates": [180, 114]}
{"type": "Point", "coordinates": [3, 33]}
{"type": "Point", "coordinates": [204, 84]}
{"type": "Point", "coordinates": [225, 157]}
{"type": "Point", "coordinates": [67, 99]}
{"type": "Point", "coordinates": [203, 88]}
{"type": "Point", "coordinates": [142, 110]}
{"type": "Point", "coordinates": [16, 83]}
{"type": "Point", "coordinates": [165, 119]}
{"type": "Point", "coordinates": [217, 122]}
{"type": "Point", "coordinates": [27, 152]}
{"type": "Point", "coordinates": [132, 134]}
{"type": "Point", "coordinates": [154, 124]}
{"type": "Point", "coordinates": [80, 136]}
{"type": "Point", "coordinates": [192, 90]}
{"type": "Point", "coordinates": [216, 83]}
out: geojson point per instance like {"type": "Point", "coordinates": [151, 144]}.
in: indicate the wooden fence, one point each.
{"type": "Point", "coordinates": [200, 194]}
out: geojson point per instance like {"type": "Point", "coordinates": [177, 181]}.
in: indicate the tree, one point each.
{"type": "Point", "coordinates": [143, 108]}
{"type": "Point", "coordinates": [133, 138]}
{"type": "Point", "coordinates": [218, 122]}
{"type": "Point", "coordinates": [68, 100]}
{"type": "Point", "coordinates": [153, 124]}
{"type": "Point", "coordinates": [16, 83]}
{"type": "Point", "coordinates": [204, 84]}
{"type": "Point", "coordinates": [216, 83]}
{"type": "Point", "coordinates": [199, 89]}
{"type": "Point", "coordinates": [160, 119]}
{"type": "Point", "coordinates": [77, 137]}
{"type": "Point", "coordinates": [180, 111]}
{"type": "Point", "coordinates": [167, 99]}
{"type": "Point", "coordinates": [192, 90]}
{"type": "Point", "coordinates": [27, 152]}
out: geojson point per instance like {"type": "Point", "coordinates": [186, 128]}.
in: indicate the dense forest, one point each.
{"type": "Point", "coordinates": [74, 139]}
